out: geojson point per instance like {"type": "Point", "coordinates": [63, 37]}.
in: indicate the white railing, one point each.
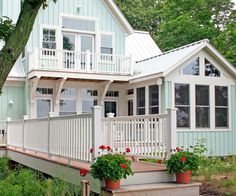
{"type": "Point", "coordinates": [147, 136]}
{"type": "Point", "coordinates": [80, 61]}
{"type": "Point", "coordinates": [2, 133]}
{"type": "Point", "coordinates": [70, 137]}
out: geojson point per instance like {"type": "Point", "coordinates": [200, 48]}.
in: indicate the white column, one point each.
{"type": "Point", "coordinates": [110, 129]}
{"type": "Point", "coordinates": [96, 129]}
{"type": "Point", "coordinates": [171, 129]}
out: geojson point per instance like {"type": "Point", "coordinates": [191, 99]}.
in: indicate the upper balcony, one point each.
{"type": "Point", "coordinates": [62, 62]}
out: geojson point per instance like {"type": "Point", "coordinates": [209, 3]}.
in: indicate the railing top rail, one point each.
{"type": "Point", "coordinates": [137, 117]}
{"type": "Point", "coordinates": [15, 121]}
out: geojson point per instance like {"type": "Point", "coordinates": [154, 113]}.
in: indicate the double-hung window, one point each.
{"type": "Point", "coordinates": [89, 99]}
{"type": "Point", "coordinates": [182, 103]}
{"type": "Point", "coordinates": [49, 39]}
{"type": "Point", "coordinates": [221, 106]}
{"type": "Point", "coordinates": [202, 106]}
{"type": "Point", "coordinates": [106, 47]}
{"type": "Point", "coordinates": [68, 101]}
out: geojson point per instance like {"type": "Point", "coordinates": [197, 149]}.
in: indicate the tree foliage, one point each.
{"type": "Point", "coordinates": [173, 23]}
{"type": "Point", "coordinates": [16, 37]}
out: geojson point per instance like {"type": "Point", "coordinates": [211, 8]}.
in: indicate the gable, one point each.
{"type": "Point", "coordinates": [209, 69]}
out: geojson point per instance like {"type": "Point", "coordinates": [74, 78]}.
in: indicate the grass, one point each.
{"type": "Point", "coordinates": [218, 174]}
{"type": "Point", "coordinates": [24, 181]}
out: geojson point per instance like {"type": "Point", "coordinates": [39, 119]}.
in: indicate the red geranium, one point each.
{"type": "Point", "coordinates": [177, 149]}
{"type": "Point", "coordinates": [124, 166]}
{"type": "Point", "coordinates": [159, 162]}
{"type": "Point", "coordinates": [91, 150]}
{"type": "Point", "coordinates": [127, 150]}
{"type": "Point", "coordinates": [183, 159]}
{"type": "Point", "coordinates": [108, 148]}
{"type": "Point", "coordinates": [83, 172]}
{"type": "Point", "coordinates": [102, 147]}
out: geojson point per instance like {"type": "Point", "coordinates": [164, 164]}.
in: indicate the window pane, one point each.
{"type": "Point", "coordinates": [87, 105]}
{"type": "Point", "coordinates": [89, 93]}
{"type": "Point", "coordinates": [141, 97]}
{"type": "Point", "coordinates": [43, 108]}
{"type": "Point", "coordinates": [130, 107]}
{"type": "Point", "coordinates": [221, 95]}
{"type": "Point", "coordinates": [221, 115]}
{"type": "Point", "coordinates": [192, 68]}
{"type": "Point", "coordinates": [153, 110]}
{"type": "Point", "coordinates": [49, 39]}
{"type": "Point", "coordinates": [211, 70]}
{"type": "Point", "coordinates": [202, 95]}
{"type": "Point", "coordinates": [86, 43]}
{"type": "Point", "coordinates": [181, 94]}
{"type": "Point", "coordinates": [78, 24]}
{"type": "Point", "coordinates": [106, 44]}
{"type": "Point", "coordinates": [183, 117]}
{"type": "Point", "coordinates": [153, 99]}
{"type": "Point", "coordinates": [130, 91]}
{"type": "Point", "coordinates": [141, 111]}
{"type": "Point", "coordinates": [67, 107]}
{"type": "Point", "coordinates": [202, 117]}
{"type": "Point", "coordinates": [69, 42]}
{"type": "Point", "coordinates": [110, 107]}
{"type": "Point", "coordinates": [68, 92]}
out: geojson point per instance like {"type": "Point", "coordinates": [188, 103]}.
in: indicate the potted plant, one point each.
{"type": "Point", "coordinates": [181, 163]}
{"type": "Point", "coordinates": [111, 167]}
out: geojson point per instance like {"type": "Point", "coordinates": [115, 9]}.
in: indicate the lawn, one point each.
{"type": "Point", "coordinates": [217, 175]}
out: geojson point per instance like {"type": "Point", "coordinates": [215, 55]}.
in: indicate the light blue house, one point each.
{"type": "Point", "coordinates": [83, 53]}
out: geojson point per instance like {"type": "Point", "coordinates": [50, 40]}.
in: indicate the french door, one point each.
{"type": "Point", "coordinates": [74, 50]}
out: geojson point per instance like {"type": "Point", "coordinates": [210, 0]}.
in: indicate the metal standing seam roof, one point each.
{"type": "Point", "coordinates": [17, 70]}
{"type": "Point", "coordinates": [141, 46]}
{"type": "Point", "coordinates": [165, 61]}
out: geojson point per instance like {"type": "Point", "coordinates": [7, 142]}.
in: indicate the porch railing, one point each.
{"type": "Point", "coordinates": [147, 136]}
{"type": "Point", "coordinates": [72, 137]}
{"type": "Point", "coordinates": [49, 59]}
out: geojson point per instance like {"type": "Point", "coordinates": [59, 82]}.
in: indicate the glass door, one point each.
{"type": "Point", "coordinates": [86, 44]}
{"type": "Point", "coordinates": [43, 107]}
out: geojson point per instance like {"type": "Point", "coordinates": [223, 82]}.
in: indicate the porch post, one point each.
{"type": "Point", "coordinates": [110, 129]}
{"type": "Point", "coordinates": [171, 130]}
{"type": "Point", "coordinates": [96, 129]}
{"type": "Point", "coordinates": [7, 130]}
{"type": "Point", "coordinates": [25, 117]}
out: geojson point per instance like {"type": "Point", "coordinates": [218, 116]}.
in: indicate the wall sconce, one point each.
{"type": "Point", "coordinates": [79, 7]}
{"type": "Point", "coordinates": [11, 102]}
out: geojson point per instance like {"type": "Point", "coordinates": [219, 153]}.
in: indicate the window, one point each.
{"type": "Point", "coordinates": [211, 70]}
{"type": "Point", "coordinates": [130, 107]}
{"type": "Point", "coordinates": [106, 44]}
{"type": "Point", "coordinates": [89, 99]}
{"type": "Point", "coordinates": [68, 101]}
{"type": "Point", "coordinates": [192, 68]}
{"type": "Point", "coordinates": [44, 91]}
{"type": "Point", "coordinates": [78, 24]}
{"type": "Point", "coordinates": [49, 39]}
{"type": "Point", "coordinates": [141, 101]}
{"type": "Point", "coordinates": [112, 94]}
{"type": "Point", "coordinates": [43, 107]}
{"type": "Point", "coordinates": [182, 104]}
{"type": "Point", "coordinates": [130, 91]}
{"type": "Point", "coordinates": [202, 106]}
{"type": "Point", "coordinates": [153, 99]}
{"type": "Point", "coordinates": [221, 106]}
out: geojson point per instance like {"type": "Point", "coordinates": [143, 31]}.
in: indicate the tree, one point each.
{"type": "Point", "coordinates": [16, 37]}
{"type": "Point", "coordinates": [173, 23]}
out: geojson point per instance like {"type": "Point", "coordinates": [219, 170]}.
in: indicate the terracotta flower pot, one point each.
{"type": "Point", "coordinates": [183, 178]}
{"type": "Point", "coordinates": [112, 184]}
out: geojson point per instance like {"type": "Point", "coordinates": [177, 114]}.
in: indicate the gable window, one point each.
{"type": "Point", "coordinates": [49, 39]}
{"type": "Point", "coordinates": [182, 104]}
{"type": "Point", "coordinates": [68, 101]}
{"type": "Point", "coordinates": [221, 106]}
{"type": "Point", "coordinates": [202, 106]}
{"type": "Point", "coordinates": [211, 70]}
{"type": "Point", "coordinates": [153, 99]}
{"type": "Point", "coordinates": [79, 24]}
{"type": "Point", "coordinates": [192, 68]}
{"type": "Point", "coordinates": [141, 101]}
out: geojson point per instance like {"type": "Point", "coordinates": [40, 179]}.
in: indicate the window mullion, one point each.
{"type": "Point", "coordinates": [212, 107]}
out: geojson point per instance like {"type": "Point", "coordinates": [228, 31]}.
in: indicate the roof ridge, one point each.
{"type": "Point", "coordinates": [175, 49]}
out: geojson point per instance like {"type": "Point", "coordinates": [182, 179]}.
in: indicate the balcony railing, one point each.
{"type": "Point", "coordinates": [80, 61]}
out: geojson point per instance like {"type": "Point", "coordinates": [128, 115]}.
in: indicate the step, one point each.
{"type": "Point", "coordinates": [147, 173]}
{"type": "Point", "coordinates": [156, 189]}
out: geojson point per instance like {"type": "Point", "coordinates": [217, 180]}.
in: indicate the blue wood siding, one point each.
{"type": "Point", "coordinates": [220, 143]}
{"type": "Point", "coordinates": [10, 8]}
{"type": "Point", "coordinates": [89, 8]}
{"type": "Point", "coordinates": [15, 110]}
